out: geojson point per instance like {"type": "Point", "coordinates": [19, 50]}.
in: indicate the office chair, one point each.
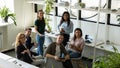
{"type": "Point", "coordinates": [76, 62]}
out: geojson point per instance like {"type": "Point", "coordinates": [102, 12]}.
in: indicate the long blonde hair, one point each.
{"type": "Point", "coordinates": [18, 37]}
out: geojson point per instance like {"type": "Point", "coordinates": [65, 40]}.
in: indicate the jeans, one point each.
{"type": "Point", "coordinates": [74, 54]}
{"type": "Point", "coordinates": [40, 41]}
{"type": "Point", "coordinates": [66, 39]}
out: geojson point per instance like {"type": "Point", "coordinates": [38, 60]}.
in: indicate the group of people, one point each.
{"type": "Point", "coordinates": [56, 50]}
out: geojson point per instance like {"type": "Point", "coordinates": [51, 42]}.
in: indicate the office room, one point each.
{"type": "Point", "coordinates": [96, 21]}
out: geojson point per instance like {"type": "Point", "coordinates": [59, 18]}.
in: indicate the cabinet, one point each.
{"type": "Point", "coordinates": [5, 36]}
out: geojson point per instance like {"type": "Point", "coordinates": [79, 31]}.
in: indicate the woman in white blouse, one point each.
{"type": "Point", "coordinates": [65, 27]}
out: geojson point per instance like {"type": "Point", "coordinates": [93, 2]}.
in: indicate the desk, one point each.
{"type": "Point", "coordinates": [49, 38]}
{"type": "Point", "coordinates": [13, 62]}
{"type": "Point", "coordinates": [53, 35]}
{"type": "Point", "coordinates": [6, 64]}
{"type": "Point", "coordinates": [101, 50]}
{"type": "Point", "coordinates": [5, 57]}
{"type": "Point", "coordinates": [21, 63]}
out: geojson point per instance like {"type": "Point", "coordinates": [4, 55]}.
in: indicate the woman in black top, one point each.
{"type": "Point", "coordinates": [40, 29]}
{"type": "Point", "coordinates": [22, 52]}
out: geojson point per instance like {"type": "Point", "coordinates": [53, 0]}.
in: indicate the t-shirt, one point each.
{"type": "Point", "coordinates": [41, 26]}
{"type": "Point", "coordinates": [57, 53]}
{"type": "Point", "coordinates": [78, 42]}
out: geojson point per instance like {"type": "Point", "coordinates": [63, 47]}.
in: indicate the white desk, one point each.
{"type": "Point", "coordinates": [7, 64]}
{"type": "Point", "coordinates": [109, 47]}
{"type": "Point", "coordinates": [53, 35]}
{"type": "Point", "coordinates": [13, 62]}
{"type": "Point", "coordinates": [21, 63]}
{"type": "Point", "coordinates": [5, 57]}
{"type": "Point", "coordinates": [101, 50]}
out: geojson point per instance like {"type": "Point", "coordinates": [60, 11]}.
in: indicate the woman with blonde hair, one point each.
{"type": "Point", "coordinates": [22, 52]}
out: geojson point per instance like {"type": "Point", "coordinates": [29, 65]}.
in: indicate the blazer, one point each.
{"type": "Point", "coordinates": [28, 42]}
{"type": "Point", "coordinates": [24, 57]}
{"type": "Point", "coordinates": [52, 49]}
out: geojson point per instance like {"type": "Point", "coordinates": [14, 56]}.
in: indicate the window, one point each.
{"type": "Point", "coordinates": [92, 15]}
{"type": "Point", "coordinates": [115, 5]}
{"type": "Point", "coordinates": [73, 12]}
{"type": "Point", "coordinates": [7, 3]}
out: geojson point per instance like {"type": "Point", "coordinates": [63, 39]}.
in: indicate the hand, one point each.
{"type": "Point", "coordinates": [56, 58]}
{"type": "Point", "coordinates": [71, 46]}
{"type": "Point", "coordinates": [47, 31]}
{"type": "Point", "coordinates": [28, 51]}
{"type": "Point", "coordinates": [40, 35]}
{"type": "Point", "coordinates": [25, 51]}
{"type": "Point", "coordinates": [62, 30]}
{"type": "Point", "coordinates": [35, 44]}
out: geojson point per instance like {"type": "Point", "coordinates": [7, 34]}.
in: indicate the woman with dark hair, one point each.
{"type": "Point", "coordinates": [76, 44]}
{"type": "Point", "coordinates": [65, 27]}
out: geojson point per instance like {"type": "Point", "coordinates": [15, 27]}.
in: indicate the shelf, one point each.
{"type": "Point", "coordinates": [92, 44]}
{"type": "Point", "coordinates": [41, 2]}
{"type": "Point", "coordinates": [58, 5]}
{"type": "Point", "coordinates": [4, 24]}
{"type": "Point", "coordinates": [109, 47]}
{"type": "Point", "coordinates": [95, 10]}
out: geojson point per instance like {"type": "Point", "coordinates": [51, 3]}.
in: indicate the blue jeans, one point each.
{"type": "Point", "coordinates": [40, 41]}
{"type": "Point", "coordinates": [74, 54]}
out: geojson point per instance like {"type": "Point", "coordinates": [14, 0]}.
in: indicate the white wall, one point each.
{"type": "Point", "coordinates": [24, 15]}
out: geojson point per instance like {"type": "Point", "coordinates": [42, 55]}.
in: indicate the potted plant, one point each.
{"type": "Point", "coordinates": [48, 8]}
{"type": "Point", "coordinates": [118, 18]}
{"type": "Point", "coordinates": [5, 14]}
{"type": "Point", "coordinates": [110, 61]}
{"type": "Point", "coordinates": [82, 5]}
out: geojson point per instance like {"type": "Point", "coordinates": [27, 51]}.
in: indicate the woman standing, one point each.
{"type": "Point", "coordinates": [40, 29]}
{"type": "Point", "coordinates": [65, 27]}
{"type": "Point", "coordinates": [76, 44]}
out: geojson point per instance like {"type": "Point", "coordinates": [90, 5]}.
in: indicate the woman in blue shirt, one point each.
{"type": "Point", "coordinates": [65, 27]}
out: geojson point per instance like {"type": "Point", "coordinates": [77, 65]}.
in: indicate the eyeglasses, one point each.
{"type": "Point", "coordinates": [41, 13]}
{"type": "Point", "coordinates": [22, 37]}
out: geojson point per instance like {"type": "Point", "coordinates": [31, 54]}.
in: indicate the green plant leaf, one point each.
{"type": "Point", "coordinates": [13, 18]}
{"type": "Point", "coordinates": [109, 61]}
{"type": "Point", "coordinates": [5, 12]}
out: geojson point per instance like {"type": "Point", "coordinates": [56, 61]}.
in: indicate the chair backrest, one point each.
{"type": "Point", "coordinates": [76, 62]}
{"type": "Point", "coordinates": [52, 63]}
